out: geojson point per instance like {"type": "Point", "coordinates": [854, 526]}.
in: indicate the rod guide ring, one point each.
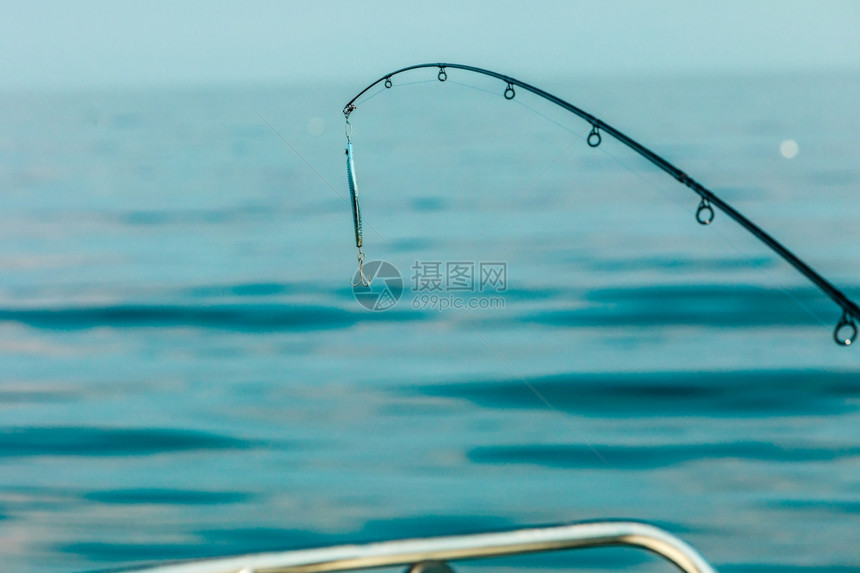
{"type": "Point", "coordinates": [846, 330]}
{"type": "Point", "coordinates": [594, 137]}
{"type": "Point", "coordinates": [705, 213]}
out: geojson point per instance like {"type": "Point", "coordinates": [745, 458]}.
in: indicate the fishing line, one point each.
{"type": "Point", "coordinates": [413, 83]}
{"type": "Point", "coordinates": [673, 198]}
{"type": "Point", "coordinates": [518, 102]}
{"type": "Point", "coordinates": [370, 97]}
{"type": "Point", "coordinates": [845, 331]}
{"type": "Point", "coordinates": [726, 238]}
{"type": "Point", "coordinates": [551, 120]}
{"type": "Point", "coordinates": [476, 88]}
{"type": "Point", "coordinates": [541, 397]}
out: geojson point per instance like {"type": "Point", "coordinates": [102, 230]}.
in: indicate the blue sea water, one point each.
{"type": "Point", "coordinates": [186, 373]}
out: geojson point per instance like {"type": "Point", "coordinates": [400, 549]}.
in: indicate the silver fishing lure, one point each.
{"type": "Point", "coordinates": [360, 279]}
{"type": "Point", "coordinates": [353, 194]}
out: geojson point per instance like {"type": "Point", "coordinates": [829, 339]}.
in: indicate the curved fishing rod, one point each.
{"type": "Point", "coordinates": [846, 329]}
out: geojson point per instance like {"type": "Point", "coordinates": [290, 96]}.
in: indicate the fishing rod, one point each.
{"type": "Point", "coordinates": [846, 328]}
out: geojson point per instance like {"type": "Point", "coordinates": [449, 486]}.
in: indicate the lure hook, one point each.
{"type": "Point", "coordinates": [847, 324]}
{"type": "Point", "coordinates": [360, 278]}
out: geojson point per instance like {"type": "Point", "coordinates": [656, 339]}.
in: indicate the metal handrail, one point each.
{"type": "Point", "coordinates": [409, 552]}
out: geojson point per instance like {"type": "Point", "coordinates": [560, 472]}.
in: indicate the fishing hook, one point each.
{"type": "Point", "coordinates": [704, 214]}
{"type": "Point", "coordinates": [360, 278]}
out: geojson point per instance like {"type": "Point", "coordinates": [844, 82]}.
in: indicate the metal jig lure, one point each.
{"type": "Point", "coordinates": [361, 278]}
{"type": "Point", "coordinates": [846, 329]}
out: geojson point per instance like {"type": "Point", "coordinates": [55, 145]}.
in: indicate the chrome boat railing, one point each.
{"type": "Point", "coordinates": [431, 553]}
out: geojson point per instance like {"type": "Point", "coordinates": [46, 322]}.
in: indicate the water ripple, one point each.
{"type": "Point", "coordinates": [92, 441]}
{"type": "Point", "coordinates": [654, 456]}
{"type": "Point", "coordinates": [717, 394]}
{"type": "Point", "coordinates": [262, 317]}
{"type": "Point", "coordinates": [713, 306]}
{"type": "Point", "coordinates": [160, 496]}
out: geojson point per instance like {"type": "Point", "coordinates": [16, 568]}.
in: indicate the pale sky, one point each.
{"type": "Point", "coordinates": [92, 43]}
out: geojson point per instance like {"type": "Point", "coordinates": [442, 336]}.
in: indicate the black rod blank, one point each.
{"type": "Point", "coordinates": [850, 310]}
